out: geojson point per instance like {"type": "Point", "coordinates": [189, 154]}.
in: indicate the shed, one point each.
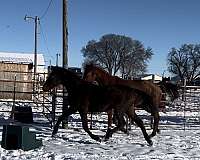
{"type": "Point", "coordinates": [16, 74]}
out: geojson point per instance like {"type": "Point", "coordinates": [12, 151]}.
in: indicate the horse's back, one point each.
{"type": "Point", "coordinates": [148, 87]}
{"type": "Point", "coordinates": [104, 98]}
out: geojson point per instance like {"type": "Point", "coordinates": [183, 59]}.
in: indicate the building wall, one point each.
{"type": "Point", "coordinates": [23, 75]}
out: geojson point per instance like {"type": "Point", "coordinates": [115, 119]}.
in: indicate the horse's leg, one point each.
{"type": "Point", "coordinates": [55, 128]}
{"type": "Point", "coordinates": [109, 118]}
{"type": "Point", "coordinates": [155, 114]}
{"type": "Point", "coordinates": [114, 118]}
{"type": "Point", "coordinates": [62, 117]}
{"type": "Point", "coordinates": [150, 109]}
{"type": "Point", "coordinates": [120, 126]}
{"type": "Point", "coordinates": [85, 126]}
{"type": "Point", "coordinates": [129, 121]}
{"type": "Point", "coordinates": [140, 124]}
{"type": "Point", "coordinates": [128, 125]}
{"type": "Point", "coordinates": [91, 121]}
{"type": "Point", "coordinates": [151, 125]}
{"type": "Point", "coordinates": [124, 123]}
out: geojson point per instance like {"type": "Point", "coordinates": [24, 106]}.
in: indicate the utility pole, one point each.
{"type": "Point", "coordinates": [57, 56]}
{"type": "Point", "coordinates": [65, 35]}
{"type": "Point", "coordinates": [65, 59]}
{"type": "Point", "coordinates": [36, 20]}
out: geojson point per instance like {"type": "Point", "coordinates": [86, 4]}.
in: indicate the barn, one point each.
{"type": "Point", "coordinates": [16, 74]}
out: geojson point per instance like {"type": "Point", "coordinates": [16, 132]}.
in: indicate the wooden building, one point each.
{"type": "Point", "coordinates": [16, 74]}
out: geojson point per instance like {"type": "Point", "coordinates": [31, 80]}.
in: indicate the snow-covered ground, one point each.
{"type": "Point", "coordinates": [75, 144]}
{"type": "Point", "coordinates": [173, 143]}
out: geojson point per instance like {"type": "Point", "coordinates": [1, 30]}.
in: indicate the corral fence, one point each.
{"type": "Point", "coordinates": [16, 89]}
{"type": "Point", "coordinates": [184, 113]}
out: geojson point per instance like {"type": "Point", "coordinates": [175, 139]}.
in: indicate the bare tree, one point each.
{"type": "Point", "coordinates": [185, 62]}
{"type": "Point", "coordinates": [117, 53]}
{"type": "Point", "coordinates": [135, 63]}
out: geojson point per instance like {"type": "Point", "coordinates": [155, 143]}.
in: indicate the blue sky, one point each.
{"type": "Point", "coordinates": [159, 24]}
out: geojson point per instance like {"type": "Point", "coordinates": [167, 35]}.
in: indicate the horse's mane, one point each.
{"type": "Point", "coordinates": [92, 66]}
{"type": "Point", "coordinates": [62, 71]}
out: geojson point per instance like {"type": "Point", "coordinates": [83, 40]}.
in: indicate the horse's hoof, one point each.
{"type": "Point", "coordinates": [152, 135]}
{"type": "Point", "coordinates": [107, 136]}
{"type": "Point", "coordinates": [158, 131]}
{"type": "Point", "coordinates": [53, 135]}
{"type": "Point", "coordinates": [150, 142]}
{"type": "Point", "coordinates": [54, 131]}
{"type": "Point", "coordinates": [97, 138]}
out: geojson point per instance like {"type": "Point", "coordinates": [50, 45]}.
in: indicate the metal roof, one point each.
{"type": "Point", "coordinates": [24, 57]}
{"type": "Point", "coordinates": [15, 60]}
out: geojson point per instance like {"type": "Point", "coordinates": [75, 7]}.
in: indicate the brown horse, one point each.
{"type": "Point", "coordinates": [86, 97]}
{"type": "Point", "coordinates": [94, 73]}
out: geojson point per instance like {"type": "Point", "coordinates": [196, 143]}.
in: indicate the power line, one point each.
{"type": "Point", "coordinates": [4, 28]}
{"type": "Point", "coordinates": [45, 12]}
{"type": "Point", "coordinates": [45, 40]}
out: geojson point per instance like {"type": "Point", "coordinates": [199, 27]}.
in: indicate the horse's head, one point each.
{"type": "Point", "coordinates": [59, 75]}
{"type": "Point", "coordinates": [94, 73]}
{"type": "Point", "coordinates": [90, 73]}
{"type": "Point", "coordinates": [53, 78]}
{"type": "Point", "coordinates": [170, 89]}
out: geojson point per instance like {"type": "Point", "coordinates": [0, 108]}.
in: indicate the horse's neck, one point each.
{"type": "Point", "coordinates": [70, 84]}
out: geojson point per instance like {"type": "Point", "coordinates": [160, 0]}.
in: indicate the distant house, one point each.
{"type": "Point", "coordinates": [153, 77]}
{"type": "Point", "coordinates": [16, 74]}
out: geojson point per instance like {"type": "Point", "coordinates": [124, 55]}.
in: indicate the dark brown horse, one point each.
{"type": "Point", "coordinates": [152, 91]}
{"type": "Point", "coordinates": [86, 97]}
{"type": "Point", "coordinates": [170, 89]}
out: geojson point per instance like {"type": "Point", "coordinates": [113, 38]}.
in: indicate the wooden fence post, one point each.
{"type": "Point", "coordinates": [14, 92]}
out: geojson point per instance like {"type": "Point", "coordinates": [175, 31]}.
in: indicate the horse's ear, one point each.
{"type": "Point", "coordinates": [49, 69]}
